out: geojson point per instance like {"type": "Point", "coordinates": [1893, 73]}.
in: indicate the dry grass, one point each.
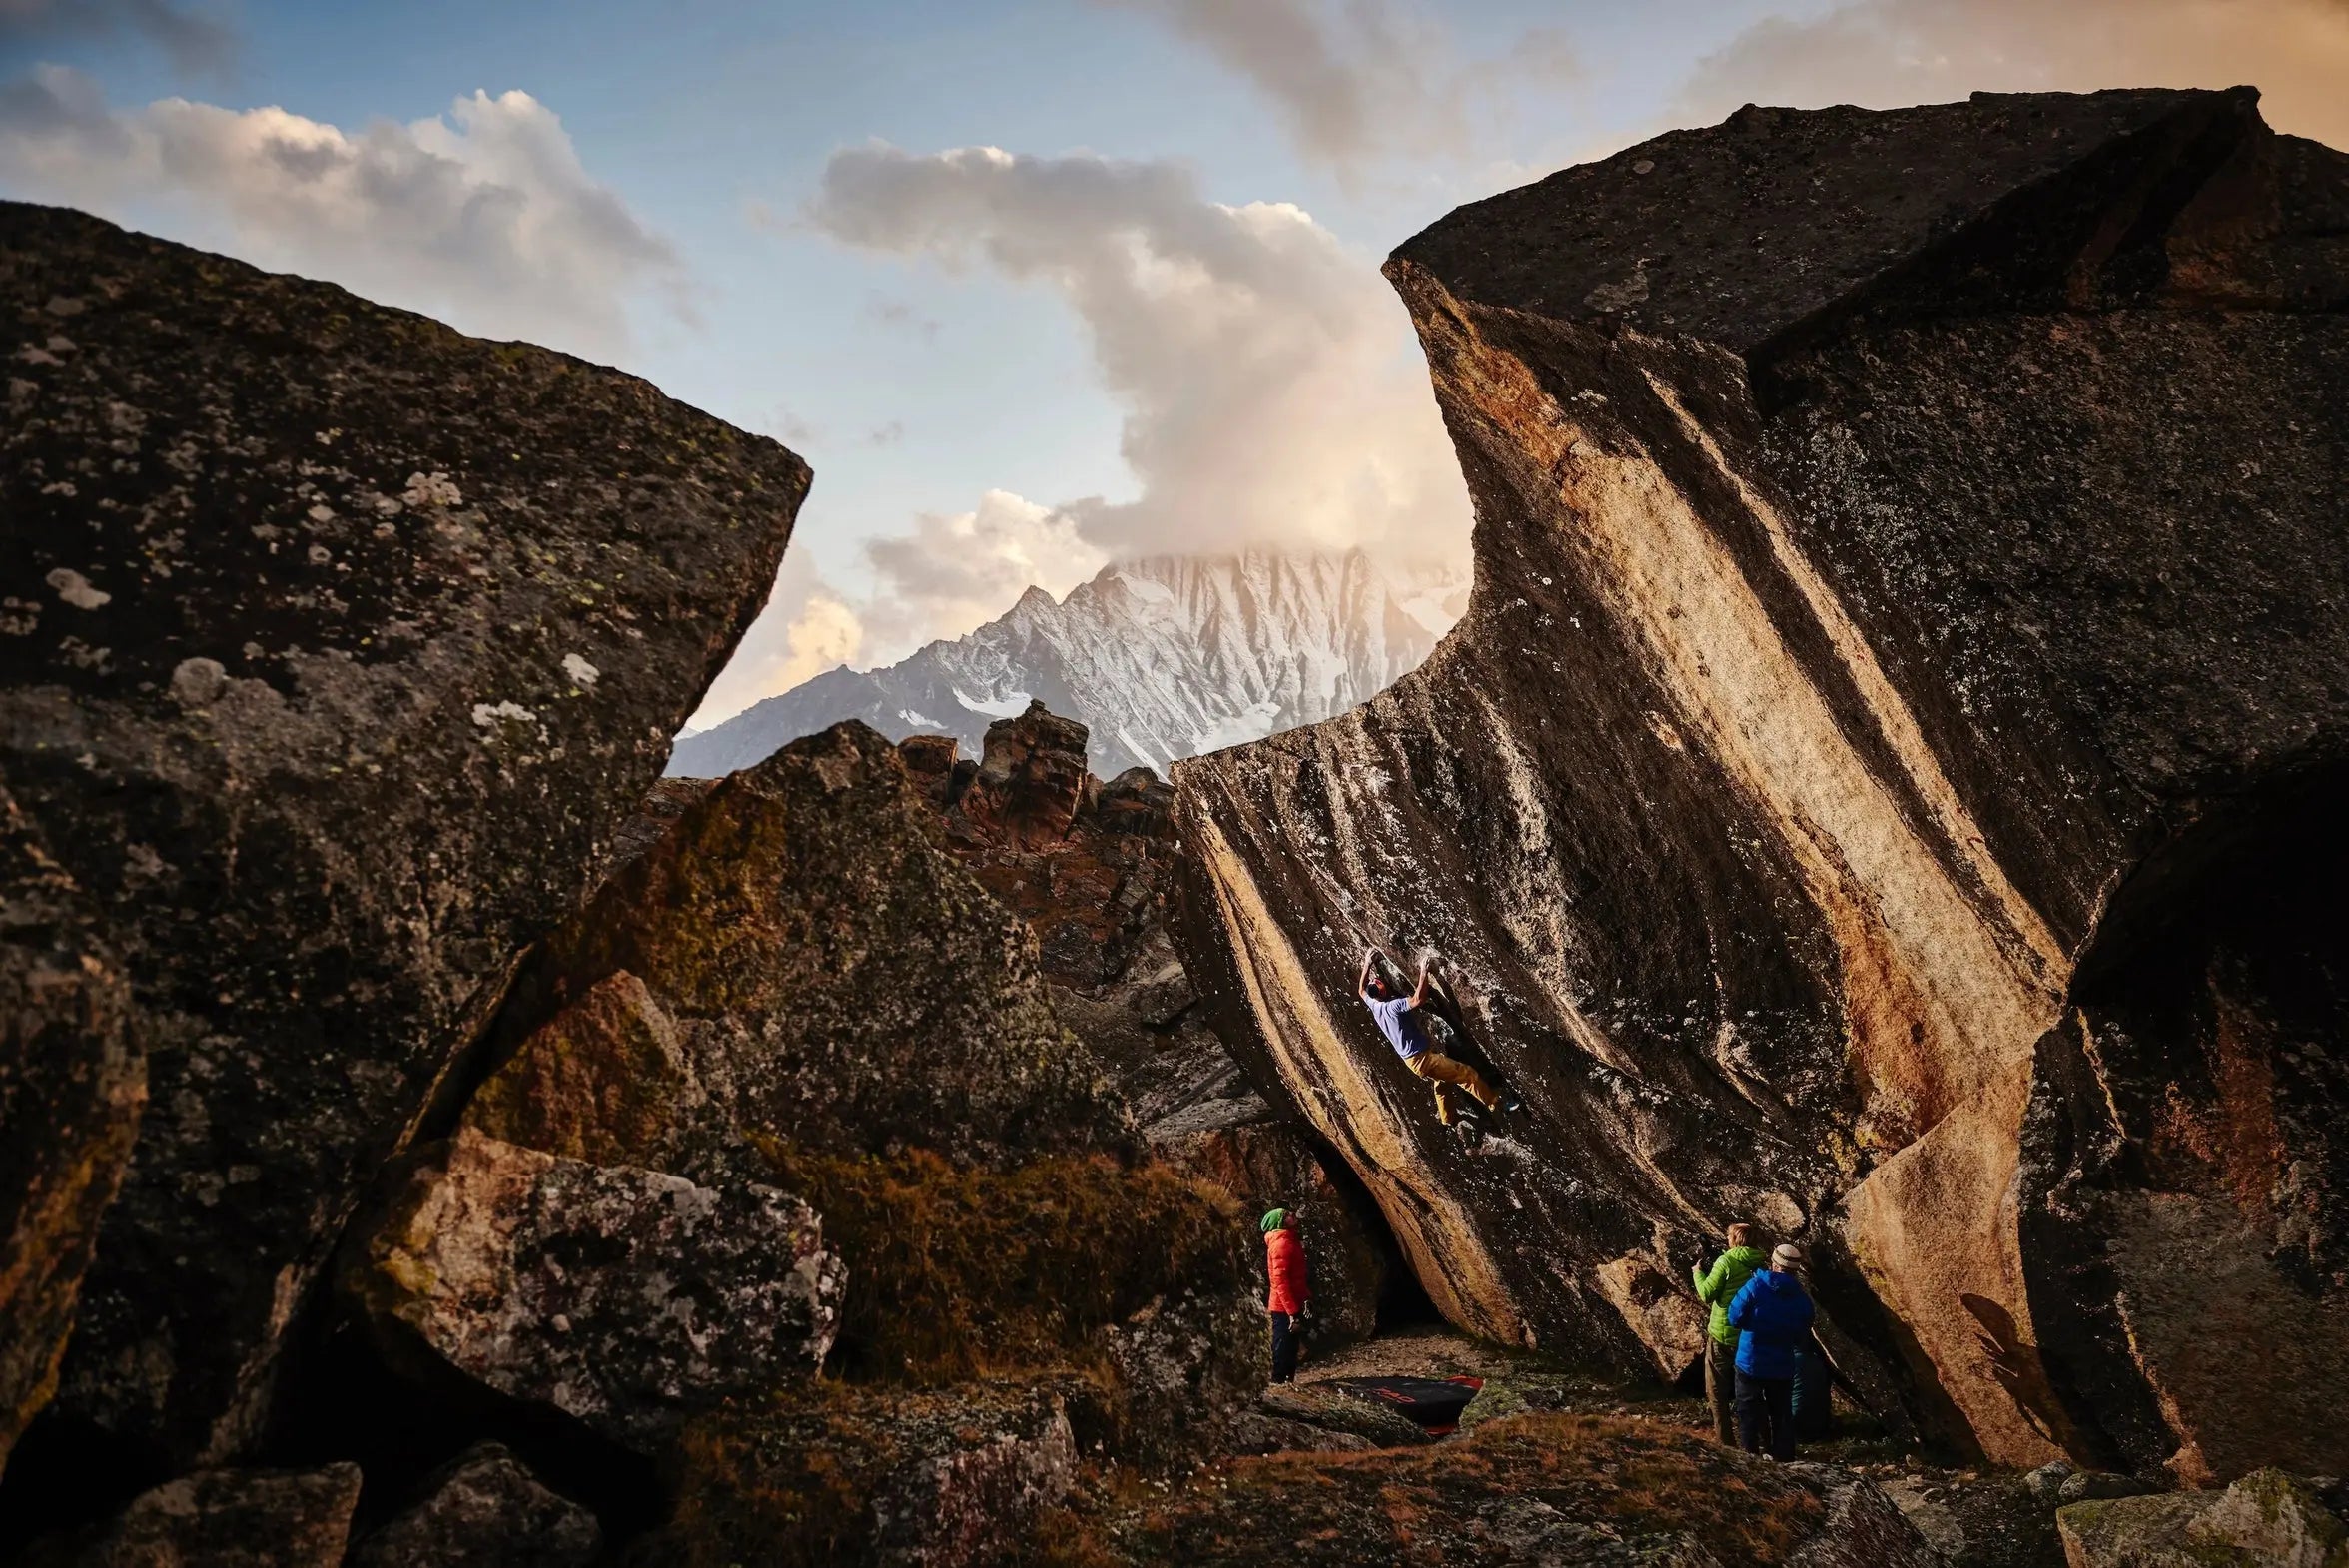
{"type": "Point", "coordinates": [790, 1481]}
{"type": "Point", "coordinates": [958, 1273]}
{"type": "Point", "coordinates": [1629, 1477]}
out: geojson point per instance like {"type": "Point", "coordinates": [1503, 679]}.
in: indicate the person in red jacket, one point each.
{"type": "Point", "coordinates": [1284, 1261]}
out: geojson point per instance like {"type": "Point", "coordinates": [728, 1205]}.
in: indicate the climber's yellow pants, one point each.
{"type": "Point", "coordinates": [1445, 1073]}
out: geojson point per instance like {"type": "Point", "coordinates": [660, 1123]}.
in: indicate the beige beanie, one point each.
{"type": "Point", "coordinates": [1787, 1255]}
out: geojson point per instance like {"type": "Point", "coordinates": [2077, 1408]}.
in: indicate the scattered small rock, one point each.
{"type": "Point", "coordinates": [2047, 1482]}
{"type": "Point", "coordinates": [2094, 1484]}
{"type": "Point", "coordinates": [198, 683]}
{"type": "Point", "coordinates": [484, 1510]}
{"type": "Point", "coordinates": [75, 589]}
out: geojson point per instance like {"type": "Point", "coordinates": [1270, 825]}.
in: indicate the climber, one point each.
{"type": "Point", "coordinates": [1397, 1021]}
{"type": "Point", "coordinates": [1292, 1297]}
{"type": "Point", "coordinates": [1717, 1287]}
{"type": "Point", "coordinates": [1772, 1315]}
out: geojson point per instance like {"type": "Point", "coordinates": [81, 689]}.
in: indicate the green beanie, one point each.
{"type": "Point", "coordinates": [1273, 1220]}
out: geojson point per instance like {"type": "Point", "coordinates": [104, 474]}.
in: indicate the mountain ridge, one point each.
{"type": "Point", "coordinates": [1163, 657]}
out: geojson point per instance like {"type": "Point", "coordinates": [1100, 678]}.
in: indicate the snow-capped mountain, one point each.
{"type": "Point", "coordinates": [1163, 658]}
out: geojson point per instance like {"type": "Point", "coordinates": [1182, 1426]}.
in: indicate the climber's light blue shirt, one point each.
{"type": "Point", "coordinates": [1397, 1023]}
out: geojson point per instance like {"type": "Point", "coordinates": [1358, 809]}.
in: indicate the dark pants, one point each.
{"type": "Point", "coordinates": [1721, 1389]}
{"type": "Point", "coordinates": [1284, 1347]}
{"type": "Point", "coordinates": [1766, 1407]}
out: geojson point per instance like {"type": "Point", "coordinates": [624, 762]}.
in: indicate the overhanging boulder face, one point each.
{"type": "Point", "coordinates": [336, 650]}
{"type": "Point", "coordinates": [1885, 784]}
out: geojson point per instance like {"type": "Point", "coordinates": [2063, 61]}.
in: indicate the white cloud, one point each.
{"type": "Point", "coordinates": [1273, 391]}
{"type": "Point", "coordinates": [956, 573]}
{"type": "Point", "coordinates": [806, 630]}
{"type": "Point", "coordinates": [1883, 53]}
{"type": "Point", "coordinates": [483, 217]}
{"type": "Point", "coordinates": [1357, 79]}
{"type": "Point", "coordinates": [195, 43]}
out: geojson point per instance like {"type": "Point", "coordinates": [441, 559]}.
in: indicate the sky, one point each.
{"type": "Point", "coordinates": [1033, 284]}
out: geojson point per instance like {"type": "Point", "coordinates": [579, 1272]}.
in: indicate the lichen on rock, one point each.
{"type": "Point", "coordinates": [289, 581]}
{"type": "Point", "coordinates": [828, 973]}
{"type": "Point", "coordinates": [624, 1298]}
{"type": "Point", "coordinates": [2267, 1518]}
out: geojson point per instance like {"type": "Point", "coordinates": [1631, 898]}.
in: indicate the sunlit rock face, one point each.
{"type": "Point", "coordinates": [336, 650]}
{"type": "Point", "coordinates": [1884, 785]}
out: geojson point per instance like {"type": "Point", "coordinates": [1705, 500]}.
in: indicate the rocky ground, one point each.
{"type": "Point", "coordinates": [1975, 1517]}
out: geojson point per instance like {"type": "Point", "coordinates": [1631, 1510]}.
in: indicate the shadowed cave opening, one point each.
{"type": "Point", "coordinates": [66, 1472]}
{"type": "Point", "coordinates": [341, 1399]}
{"type": "Point", "coordinates": [400, 1414]}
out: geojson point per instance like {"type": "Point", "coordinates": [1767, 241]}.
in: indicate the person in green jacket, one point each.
{"type": "Point", "coordinates": [1717, 1287]}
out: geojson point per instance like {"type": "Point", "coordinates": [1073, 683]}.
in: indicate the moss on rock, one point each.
{"type": "Point", "coordinates": [961, 1272]}
{"type": "Point", "coordinates": [833, 975]}
{"type": "Point", "coordinates": [835, 1474]}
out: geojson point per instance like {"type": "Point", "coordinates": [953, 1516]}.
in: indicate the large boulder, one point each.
{"type": "Point", "coordinates": [1884, 787]}
{"type": "Point", "coordinates": [71, 1090]}
{"type": "Point", "coordinates": [335, 650]}
{"type": "Point", "coordinates": [793, 957]}
{"type": "Point", "coordinates": [484, 1510]}
{"type": "Point", "coordinates": [627, 1299]}
{"type": "Point", "coordinates": [1031, 779]}
{"type": "Point", "coordinates": [221, 1519]}
{"type": "Point", "coordinates": [798, 980]}
{"type": "Point", "coordinates": [2268, 1519]}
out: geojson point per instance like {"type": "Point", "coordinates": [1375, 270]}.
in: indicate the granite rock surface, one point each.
{"type": "Point", "coordinates": [1875, 790]}
{"type": "Point", "coordinates": [335, 650]}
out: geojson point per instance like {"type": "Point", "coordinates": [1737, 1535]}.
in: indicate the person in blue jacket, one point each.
{"type": "Point", "coordinates": [1772, 1315]}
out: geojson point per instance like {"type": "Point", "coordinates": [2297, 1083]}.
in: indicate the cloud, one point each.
{"type": "Point", "coordinates": [806, 630]}
{"type": "Point", "coordinates": [799, 435]}
{"type": "Point", "coordinates": [1272, 393]}
{"type": "Point", "coordinates": [195, 43]}
{"type": "Point", "coordinates": [955, 572]}
{"type": "Point", "coordinates": [1355, 80]}
{"type": "Point", "coordinates": [1885, 53]}
{"type": "Point", "coordinates": [900, 314]}
{"type": "Point", "coordinates": [483, 217]}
